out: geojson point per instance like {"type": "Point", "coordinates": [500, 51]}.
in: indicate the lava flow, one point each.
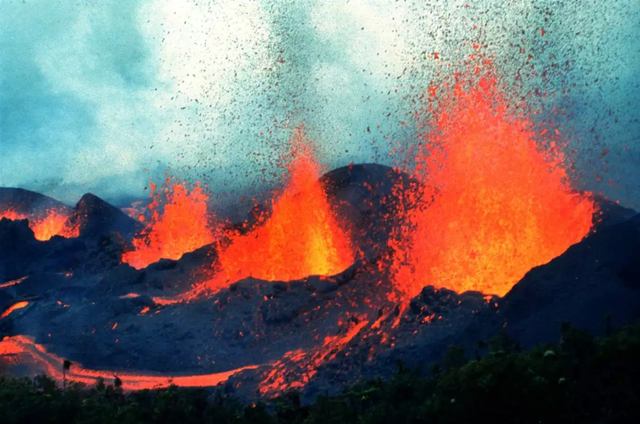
{"type": "Point", "coordinates": [18, 305]}
{"type": "Point", "coordinates": [46, 225]}
{"type": "Point", "coordinates": [181, 227]}
{"type": "Point", "coordinates": [301, 237]}
{"type": "Point", "coordinates": [494, 203]}
{"type": "Point", "coordinates": [296, 369]}
{"type": "Point", "coordinates": [12, 282]}
{"type": "Point", "coordinates": [20, 348]}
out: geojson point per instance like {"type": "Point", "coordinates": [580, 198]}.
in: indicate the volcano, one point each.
{"type": "Point", "coordinates": [76, 300]}
{"type": "Point", "coordinates": [337, 276]}
{"type": "Point", "coordinates": [94, 217]}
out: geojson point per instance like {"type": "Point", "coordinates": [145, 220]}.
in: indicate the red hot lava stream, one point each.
{"type": "Point", "coordinates": [18, 305]}
{"type": "Point", "coordinates": [21, 347]}
{"type": "Point", "coordinates": [12, 282]}
{"type": "Point", "coordinates": [181, 227]}
{"type": "Point", "coordinates": [494, 203]}
{"type": "Point", "coordinates": [285, 377]}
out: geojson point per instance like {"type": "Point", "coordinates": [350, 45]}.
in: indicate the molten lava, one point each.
{"type": "Point", "coordinates": [298, 367]}
{"type": "Point", "coordinates": [181, 227]}
{"type": "Point", "coordinates": [301, 237]}
{"type": "Point", "coordinates": [12, 215]}
{"type": "Point", "coordinates": [18, 305]}
{"type": "Point", "coordinates": [12, 282]}
{"type": "Point", "coordinates": [46, 225]}
{"type": "Point", "coordinates": [494, 203]}
{"type": "Point", "coordinates": [52, 224]}
{"type": "Point", "coordinates": [22, 347]}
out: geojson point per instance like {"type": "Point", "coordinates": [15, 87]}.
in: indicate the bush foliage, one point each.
{"type": "Point", "coordinates": [579, 380]}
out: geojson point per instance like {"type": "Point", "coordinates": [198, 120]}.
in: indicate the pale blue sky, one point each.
{"type": "Point", "coordinates": [99, 96]}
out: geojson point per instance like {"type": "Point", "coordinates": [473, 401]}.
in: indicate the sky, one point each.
{"type": "Point", "coordinates": [102, 96]}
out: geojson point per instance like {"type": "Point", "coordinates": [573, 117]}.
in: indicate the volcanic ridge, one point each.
{"type": "Point", "coordinates": [77, 300]}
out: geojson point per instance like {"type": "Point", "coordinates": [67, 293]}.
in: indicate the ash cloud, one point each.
{"type": "Point", "coordinates": [101, 96]}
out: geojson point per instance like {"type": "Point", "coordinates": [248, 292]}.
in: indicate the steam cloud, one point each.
{"type": "Point", "coordinates": [100, 96]}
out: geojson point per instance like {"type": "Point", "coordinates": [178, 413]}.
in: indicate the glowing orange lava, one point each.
{"type": "Point", "coordinates": [181, 227]}
{"type": "Point", "coordinates": [52, 224]}
{"type": "Point", "coordinates": [301, 237]}
{"type": "Point", "coordinates": [43, 361]}
{"type": "Point", "coordinates": [12, 215]}
{"type": "Point", "coordinates": [12, 282]}
{"type": "Point", "coordinates": [494, 204]}
{"type": "Point", "coordinates": [18, 305]}
{"type": "Point", "coordinates": [284, 377]}
{"type": "Point", "coordinates": [46, 225]}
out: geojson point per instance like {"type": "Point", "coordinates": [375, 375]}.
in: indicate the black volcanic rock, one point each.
{"type": "Point", "coordinates": [18, 249]}
{"type": "Point", "coordinates": [14, 234]}
{"type": "Point", "coordinates": [28, 202]}
{"type": "Point", "coordinates": [610, 212]}
{"type": "Point", "coordinates": [597, 277]}
{"type": "Point", "coordinates": [95, 217]}
{"type": "Point", "coordinates": [366, 197]}
{"type": "Point", "coordinates": [21, 254]}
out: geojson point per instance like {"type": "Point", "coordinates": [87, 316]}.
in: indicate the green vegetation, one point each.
{"type": "Point", "coordinates": [579, 380]}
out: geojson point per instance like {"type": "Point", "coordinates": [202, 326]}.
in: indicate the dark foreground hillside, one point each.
{"type": "Point", "coordinates": [578, 380]}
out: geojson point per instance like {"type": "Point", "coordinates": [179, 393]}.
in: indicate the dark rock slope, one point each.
{"type": "Point", "coordinates": [28, 202]}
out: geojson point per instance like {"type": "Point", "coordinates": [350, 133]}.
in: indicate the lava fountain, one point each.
{"type": "Point", "coordinates": [181, 226]}
{"type": "Point", "coordinates": [494, 204]}
{"type": "Point", "coordinates": [300, 237]}
{"type": "Point", "coordinates": [51, 222]}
